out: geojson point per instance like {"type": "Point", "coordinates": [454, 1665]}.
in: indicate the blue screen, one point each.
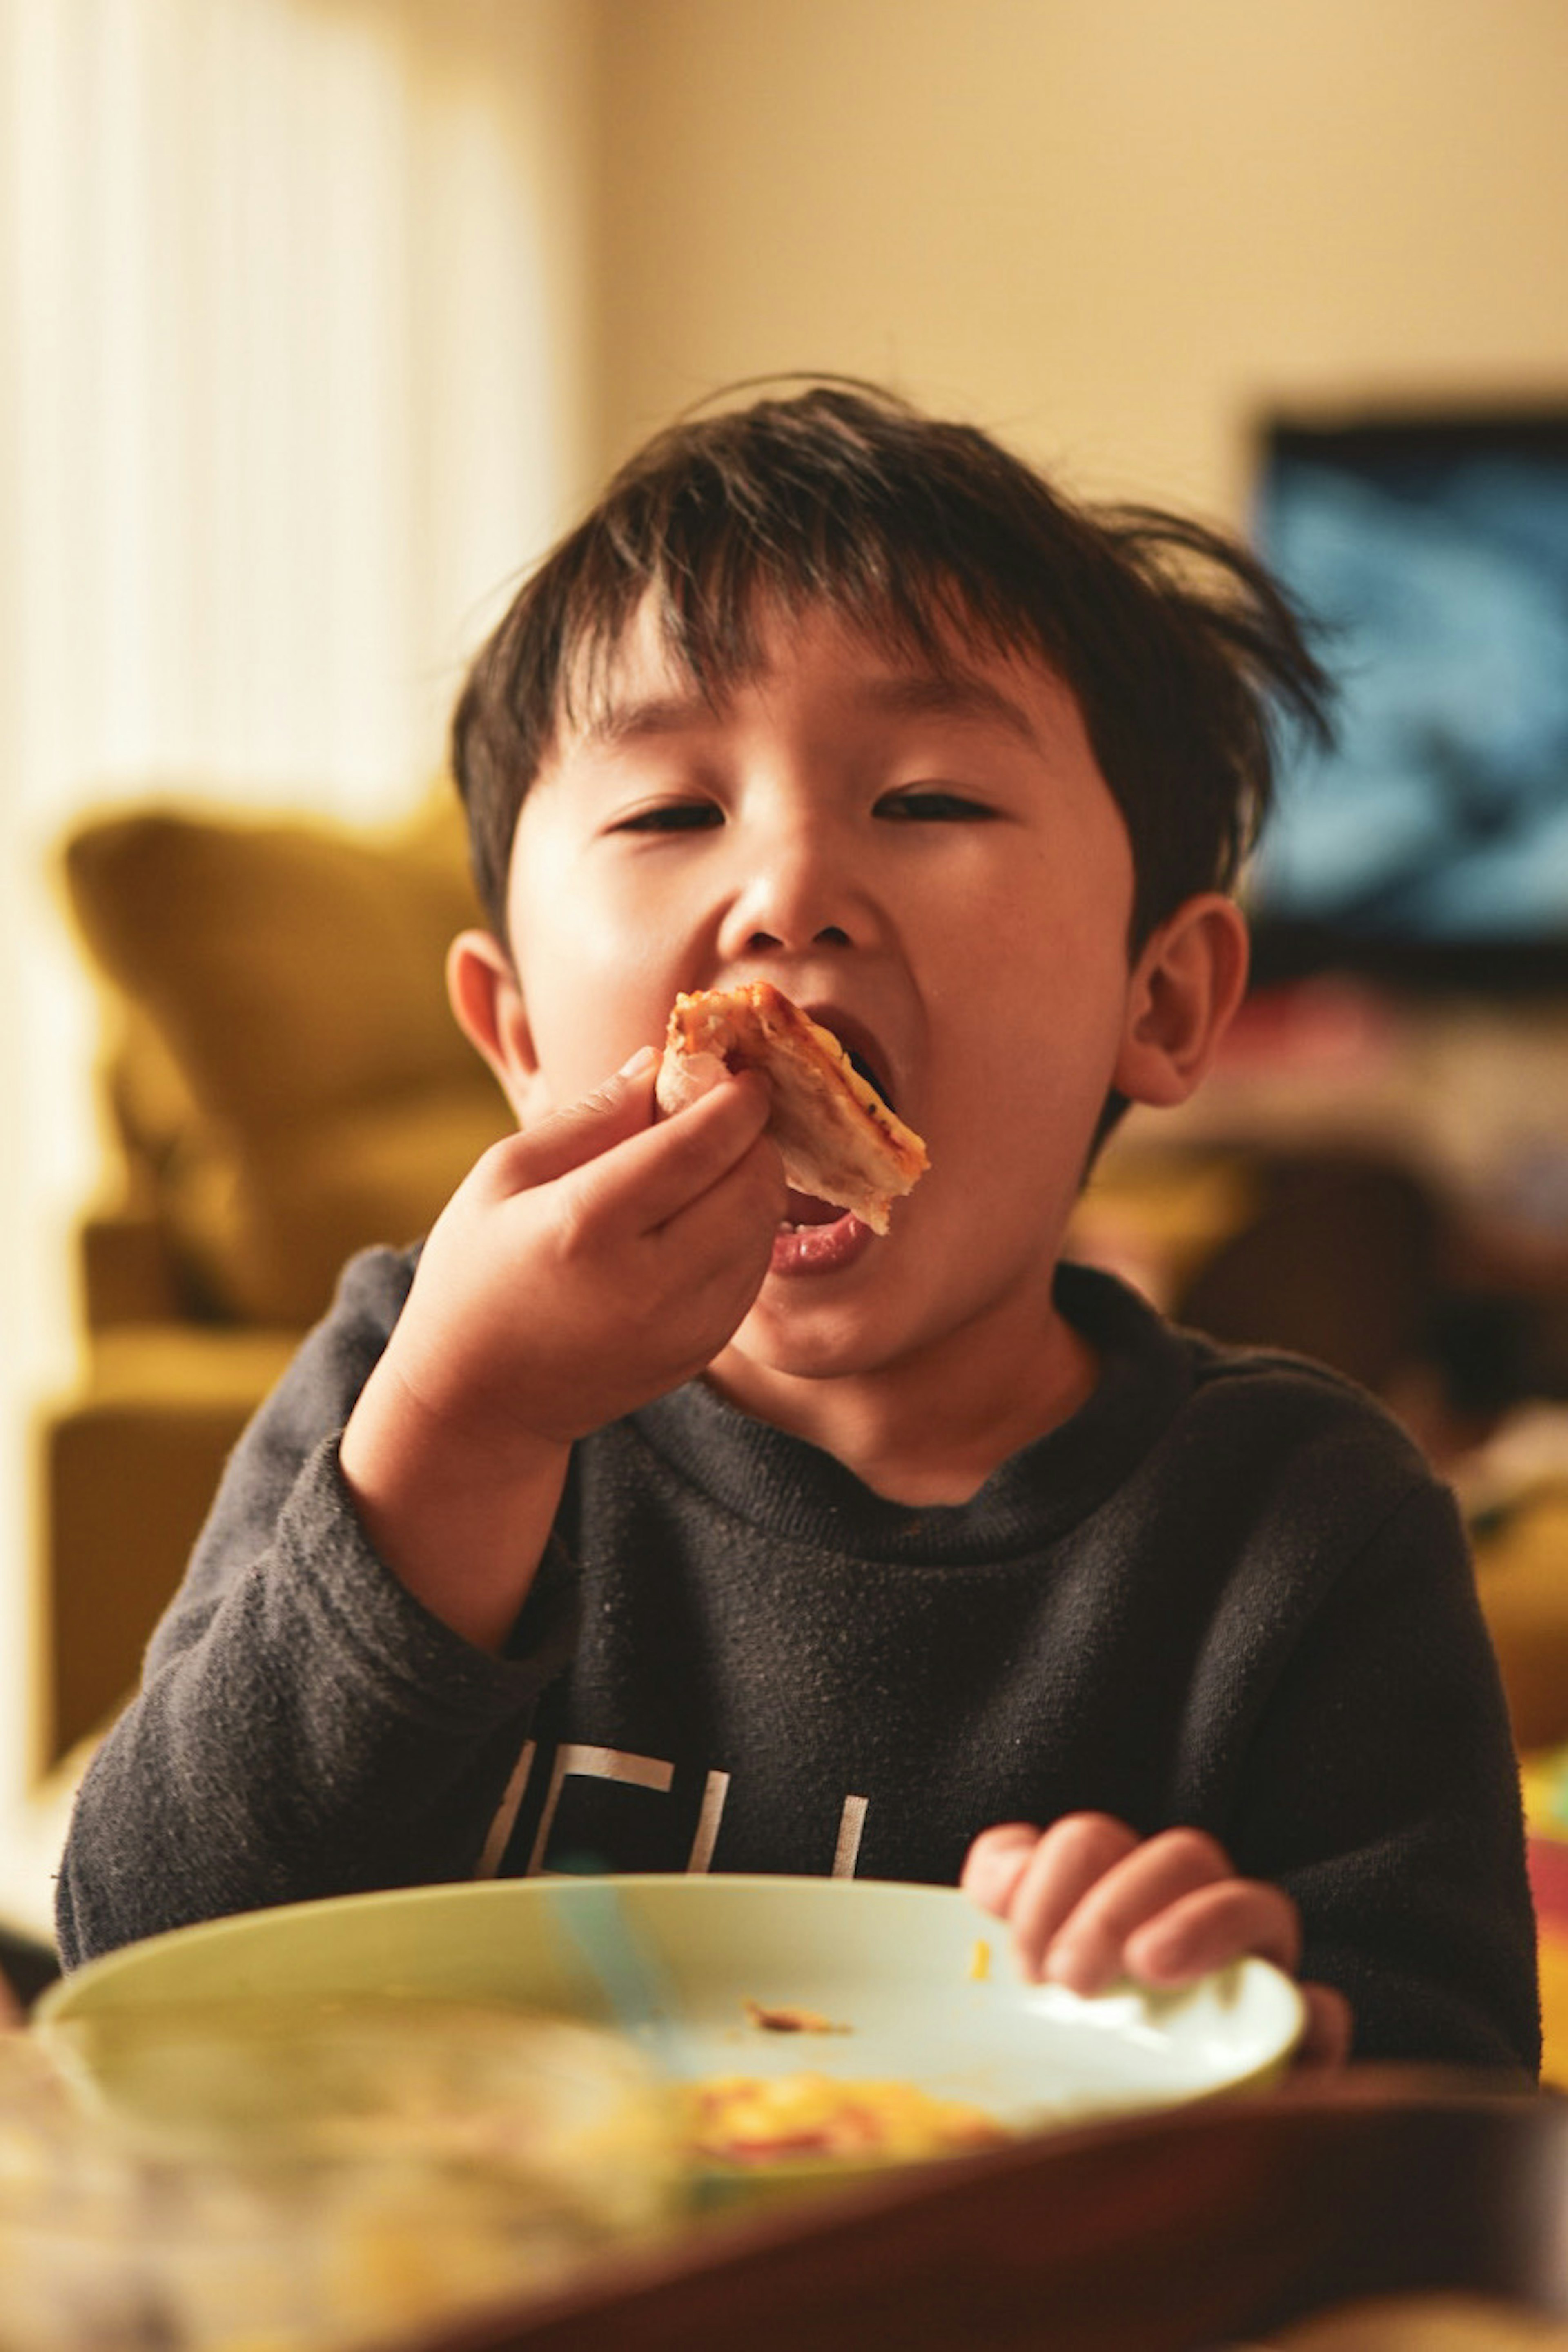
{"type": "Point", "coordinates": [1435, 556]}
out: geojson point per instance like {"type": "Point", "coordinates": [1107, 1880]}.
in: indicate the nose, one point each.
{"type": "Point", "coordinates": [797, 891]}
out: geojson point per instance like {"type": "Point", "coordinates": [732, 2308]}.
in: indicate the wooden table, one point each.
{"type": "Point", "coordinates": [1178, 2233]}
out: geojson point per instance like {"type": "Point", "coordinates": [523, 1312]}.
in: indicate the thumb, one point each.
{"type": "Point", "coordinates": [578, 1132]}
{"type": "Point", "coordinates": [1326, 2042]}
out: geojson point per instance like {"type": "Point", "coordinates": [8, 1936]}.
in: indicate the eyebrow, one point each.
{"type": "Point", "coordinates": [952, 694]}
{"type": "Point", "coordinates": [943, 694]}
{"type": "Point", "coordinates": [653, 714]}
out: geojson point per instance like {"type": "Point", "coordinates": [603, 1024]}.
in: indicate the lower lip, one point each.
{"type": "Point", "coordinates": [820, 1249]}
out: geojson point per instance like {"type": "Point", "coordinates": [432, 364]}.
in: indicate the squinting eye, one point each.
{"type": "Point", "coordinates": [672, 816]}
{"type": "Point", "coordinates": [933, 808]}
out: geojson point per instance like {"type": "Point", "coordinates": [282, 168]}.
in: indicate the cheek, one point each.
{"type": "Point", "coordinates": [1042, 932]}
{"type": "Point", "coordinates": [1029, 1068]}
{"type": "Point", "coordinates": [1035, 1087]}
{"type": "Point", "coordinates": [592, 996]}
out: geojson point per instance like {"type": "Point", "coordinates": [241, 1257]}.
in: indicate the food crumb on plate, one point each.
{"type": "Point", "coordinates": [789, 2019]}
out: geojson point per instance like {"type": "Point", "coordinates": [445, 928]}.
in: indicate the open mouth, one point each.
{"type": "Point", "coordinates": [806, 1210]}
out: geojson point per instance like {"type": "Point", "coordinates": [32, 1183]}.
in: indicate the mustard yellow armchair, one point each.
{"type": "Point", "coordinates": [284, 1083]}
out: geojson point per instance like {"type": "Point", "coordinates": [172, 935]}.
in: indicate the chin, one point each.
{"type": "Point", "coordinates": [816, 1347]}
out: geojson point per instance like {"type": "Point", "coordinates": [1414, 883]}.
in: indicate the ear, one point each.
{"type": "Point", "coordinates": [483, 991]}
{"type": "Point", "coordinates": [1185, 986]}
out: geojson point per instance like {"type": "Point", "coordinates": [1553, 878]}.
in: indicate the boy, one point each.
{"type": "Point", "coordinates": [654, 1516]}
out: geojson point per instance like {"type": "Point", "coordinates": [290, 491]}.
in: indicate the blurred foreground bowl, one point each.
{"type": "Point", "coordinates": [310, 2177]}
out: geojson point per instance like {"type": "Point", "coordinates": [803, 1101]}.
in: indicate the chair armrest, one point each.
{"type": "Point", "coordinates": [127, 1465]}
{"type": "Point", "coordinates": [128, 1274]}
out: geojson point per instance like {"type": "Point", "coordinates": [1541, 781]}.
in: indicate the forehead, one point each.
{"type": "Point", "coordinates": [640, 689]}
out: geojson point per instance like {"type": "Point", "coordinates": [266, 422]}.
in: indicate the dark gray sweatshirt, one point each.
{"type": "Point", "coordinates": [1228, 1592]}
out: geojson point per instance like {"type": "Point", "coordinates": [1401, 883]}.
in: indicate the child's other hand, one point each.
{"type": "Point", "coordinates": [1088, 1901]}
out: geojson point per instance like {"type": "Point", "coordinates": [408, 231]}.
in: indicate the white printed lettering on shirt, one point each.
{"type": "Point", "coordinates": [716, 1788]}
{"type": "Point", "coordinates": [594, 1764]}
{"type": "Point", "coordinates": [851, 1827]}
{"type": "Point", "coordinates": [577, 1758]}
{"type": "Point", "coordinates": [500, 1829]}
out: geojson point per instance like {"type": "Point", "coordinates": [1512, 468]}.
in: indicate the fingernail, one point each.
{"type": "Point", "coordinates": [642, 1060]}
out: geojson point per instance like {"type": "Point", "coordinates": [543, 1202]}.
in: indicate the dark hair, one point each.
{"type": "Point", "coordinates": [1179, 647]}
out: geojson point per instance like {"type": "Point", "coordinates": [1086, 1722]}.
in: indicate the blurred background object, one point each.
{"type": "Point", "coordinates": [322, 317]}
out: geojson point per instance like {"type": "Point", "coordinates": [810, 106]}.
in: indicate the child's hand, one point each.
{"type": "Point", "coordinates": [583, 1267]}
{"type": "Point", "coordinates": [1088, 1901]}
{"type": "Point", "coordinates": [594, 1261]}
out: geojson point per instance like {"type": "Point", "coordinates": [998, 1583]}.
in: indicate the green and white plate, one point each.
{"type": "Point", "coordinates": [915, 1983]}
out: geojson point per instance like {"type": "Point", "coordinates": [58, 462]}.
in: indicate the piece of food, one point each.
{"type": "Point", "coordinates": [840, 1142]}
{"type": "Point", "coordinates": [746, 2119]}
{"type": "Point", "coordinates": [790, 2020]}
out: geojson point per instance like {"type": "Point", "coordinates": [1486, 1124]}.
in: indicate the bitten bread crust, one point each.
{"type": "Point", "coordinates": [839, 1140]}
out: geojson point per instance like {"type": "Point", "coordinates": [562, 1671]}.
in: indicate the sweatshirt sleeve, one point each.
{"type": "Point", "coordinates": [304, 1727]}
{"type": "Point", "coordinates": [1383, 1792]}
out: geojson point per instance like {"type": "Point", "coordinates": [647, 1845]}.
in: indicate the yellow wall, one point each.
{"type": "Point", "coordinates": [1112, 229]}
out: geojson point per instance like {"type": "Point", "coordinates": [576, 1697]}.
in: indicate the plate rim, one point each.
{"type": "Point", "coordinates": [63, 2003]}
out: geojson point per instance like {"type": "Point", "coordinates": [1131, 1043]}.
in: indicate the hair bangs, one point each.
{"type": "Point", "coordinates": [714, 578]}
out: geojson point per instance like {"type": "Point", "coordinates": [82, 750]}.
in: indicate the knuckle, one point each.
{"type": "Point", "coordinates": [576, 1224]}
{"type": "Point", "coordinates": [996, 1864]}
{"type": "Point", "coordinates": [503, 1166]}
{"type": "Point", "coordinates": [1003, 1839]}
{"type": "Point", "coordinates": [1198, 1851]}
{"type": "Point", "coordinates": [1090, 1837]}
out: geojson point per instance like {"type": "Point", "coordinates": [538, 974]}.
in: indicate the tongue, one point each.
{"type": "Point", "coordinates": [806, 1210]}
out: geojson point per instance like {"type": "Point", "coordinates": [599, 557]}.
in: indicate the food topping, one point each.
{"type": "Point", "coordinates": [745, 2119]}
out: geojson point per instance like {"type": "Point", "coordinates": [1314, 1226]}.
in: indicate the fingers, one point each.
{"type": "Point", "coordinates": [637, 1247]}
{"type": "Point", "coordinates": [1035, 1881]}
{"type": "Point", "coordinates": [1168, 1912]}
{"type": "Point", "coordinates": [571, 1137]}
{"type": "Point", "coordinates": [657, 1172]}
{"type": "Point", "coordinates": [1067, 1864]}
{"type": "Point", "coordinates": [684, 1163]}
{"type": "Point", "coordinates": [613, 1162]}
{"type": "Point", "coordinates": [1089, 1902]}
{"type": "Point", "coordinates": [1206, 1929]}
{"type": "Point", "coordinates": [995, 1862]}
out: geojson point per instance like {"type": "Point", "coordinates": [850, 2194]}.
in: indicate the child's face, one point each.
{"type": "Point", "coordinates": [932, 866]}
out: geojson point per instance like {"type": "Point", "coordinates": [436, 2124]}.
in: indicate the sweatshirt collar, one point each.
{"type": "Point", "coordinates": [794, 1492]}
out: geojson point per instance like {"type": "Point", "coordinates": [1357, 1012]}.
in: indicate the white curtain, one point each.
{"type": "Point", "coordinates": [292, 296]}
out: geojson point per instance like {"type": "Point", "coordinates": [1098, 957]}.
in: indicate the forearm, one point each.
{"type": "Point", "coordinates": [320, 1733]}
{"type": "Point", "coordinates": [462, 1518]}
